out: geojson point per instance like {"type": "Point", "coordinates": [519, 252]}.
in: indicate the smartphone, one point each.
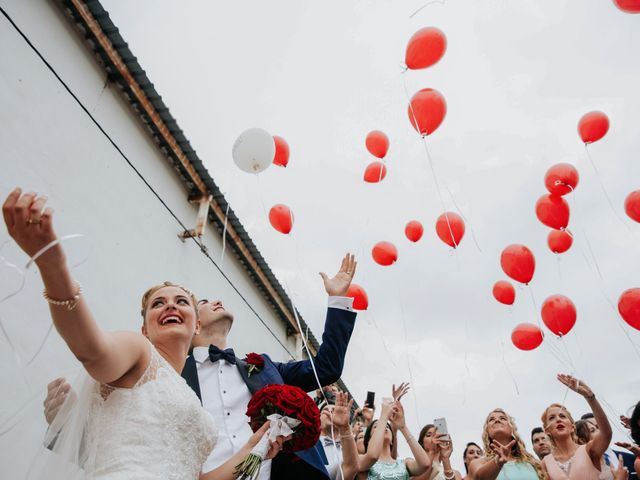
{"type": "Point", "coordinates": [441, 425]}
{"type": "Point", "coordinates": [371, 399]}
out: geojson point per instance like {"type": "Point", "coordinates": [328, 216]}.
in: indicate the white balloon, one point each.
{"type": "Point", "coordinates": [254, 150]}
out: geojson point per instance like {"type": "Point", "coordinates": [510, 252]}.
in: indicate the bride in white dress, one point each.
{"type": "Point", "coordinates": [135, 417]}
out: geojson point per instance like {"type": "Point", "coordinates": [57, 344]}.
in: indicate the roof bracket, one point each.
{"type": "Point", "coordinates": [204, 202]}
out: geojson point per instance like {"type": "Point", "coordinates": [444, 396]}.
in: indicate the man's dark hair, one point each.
{"type": "Point", "coordinates": [536, 430]}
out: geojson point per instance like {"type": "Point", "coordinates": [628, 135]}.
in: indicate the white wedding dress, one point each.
{"type": "Point", "coordinates": [155, 430]}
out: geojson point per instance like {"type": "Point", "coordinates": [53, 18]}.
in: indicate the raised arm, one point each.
{"type": "Point", "coordinates": [105, 356]}
{"type": "Point", "coordinates": [602, 438]}
{"type": "Point", "coordinates": [340, 419]}
{"type": "Point", "coordinates": [374, 449]}
{"type": "Point", "coordinates": [339, 324]}
{"type": "Point", "coordinates": [421, 460]}
{"type": "Point", "coordinates": [445, 446]}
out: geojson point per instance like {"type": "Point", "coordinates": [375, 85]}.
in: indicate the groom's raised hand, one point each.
{"type": "Point", "coordinates": [339, 284]}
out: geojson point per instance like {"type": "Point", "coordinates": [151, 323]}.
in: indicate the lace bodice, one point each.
{"type": "Point", "coordinates": [155, 430]}
{"type": "Point", "coordinates": [388, 471]}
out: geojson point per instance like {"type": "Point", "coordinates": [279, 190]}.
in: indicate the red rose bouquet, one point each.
{"type": "Point", "coordinates": [291, 412]}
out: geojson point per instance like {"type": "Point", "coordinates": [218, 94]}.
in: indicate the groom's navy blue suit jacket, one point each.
{"type": "Point", "coordinates": [329, 363]}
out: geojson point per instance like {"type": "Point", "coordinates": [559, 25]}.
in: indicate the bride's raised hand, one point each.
{"type": "Point", "coordinates": [30, 224]}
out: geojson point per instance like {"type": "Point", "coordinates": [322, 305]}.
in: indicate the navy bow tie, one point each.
{"type": "Point", "coordinates": [216, 354]}
{"type": "Point", "coordinates": [328, 442]}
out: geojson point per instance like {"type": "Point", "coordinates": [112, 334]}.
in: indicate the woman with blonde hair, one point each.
{"type": "Point", "coordinates": [569, 460]}
{"type": "Point", "coordinates": [506, 457]}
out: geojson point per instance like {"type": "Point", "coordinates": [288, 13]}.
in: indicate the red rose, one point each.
{"type": "Point", "coordinates": [255, 359]}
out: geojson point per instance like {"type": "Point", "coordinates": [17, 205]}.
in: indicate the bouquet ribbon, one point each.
{"type": "Point", "coordinates": [280, 426]}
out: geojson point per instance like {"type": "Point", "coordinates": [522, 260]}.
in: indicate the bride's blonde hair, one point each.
{"type": "Point", "coordinates": [155, 288]}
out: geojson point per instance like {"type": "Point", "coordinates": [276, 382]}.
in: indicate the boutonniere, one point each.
{"type": "Point", "coordinates": [255, 363]}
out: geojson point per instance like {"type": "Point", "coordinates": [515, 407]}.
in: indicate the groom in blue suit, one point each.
{"type": "Point", "coordinates": [225, 383]}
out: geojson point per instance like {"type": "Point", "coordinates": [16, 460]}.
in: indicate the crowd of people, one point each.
{"type": "Point", "coordinates": [170, 401]}
{"type": "Point", "coordinates": [564, 448]}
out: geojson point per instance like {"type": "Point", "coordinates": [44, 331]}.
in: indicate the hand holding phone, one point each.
{"type": "Point", "coordinates": [441, 426]}
{"type": "Point", "coordinates": [371, 399]}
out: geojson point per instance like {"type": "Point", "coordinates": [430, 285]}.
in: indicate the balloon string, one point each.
{"type": "Point", "coordinates": [614, 417]}
{"type": "Point", "coordinates": [264, 208]}
{"type": "Point", "coordinates": [408, 357]}
{"type": "Point", "coordinates": [506, 366]}
{"type": "Point", "coordinates": [12, 266]}
{"type": "Point", "coordinates": [535, 306]}
{"type": "Point", "coordinates": [384, 344]}
{"type": "Point", "coordinates": [430, 162]}
{"type": "Point", "coordinates": [435, 179]}
{"type": "Point", "coordinates": [426, 5]}
{"type": "Point", "coordinates": [315, 373]}
{"type": "Point", "coordinates": [473, 235]}
{"type": "Point", "coordinates": [224, 234]}
{"type": "Point", "coordinates": [598, 272]}
{"type": "Point", "coordinates": [604, 190]}
{"type": "Point", "coordinates": [31, 261]}
{"type": "Point", "coordinates": [52, 244]}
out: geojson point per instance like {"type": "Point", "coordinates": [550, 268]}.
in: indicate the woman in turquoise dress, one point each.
{"type": "Point", "coordinates": [379, 441]}
{"type": "Point", "coordinates": [506, 457]}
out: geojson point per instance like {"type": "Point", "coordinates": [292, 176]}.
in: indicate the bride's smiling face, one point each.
{"type": "Point", "coordinates": [170, 312]}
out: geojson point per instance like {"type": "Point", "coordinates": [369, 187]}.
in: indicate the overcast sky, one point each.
{"type": "Point", "coordinates": [517, 76]}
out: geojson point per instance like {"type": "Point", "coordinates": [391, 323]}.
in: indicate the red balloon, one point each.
{"type": "Point", "coordinates": [427, 110]}
{"type": "Point", "coordinates": [385, 253]}
{"type": "Point", "coordinates": [559, 314]}
{"type": "Point", "coordinates": [632, 205]}
{"type": "Point", "coordinates": [281, 158]}
{"type": "Point", "coordinates": [377, 143]}
{"type": "Point", "coordinates": [518, 262]}
{"type": "Point", "coordinates": [504, 292]}
{"type": "Point", "coordinates": [628, 6]}
{"type": "Point", "coordinates": [281, 218]}
{"type": "Point", "coordinates": [375, 172]}
{"type": "Point", "coordinates": [526, 336]}
{"type": "Point", "coordinates": [553, 211]}
{"type": "Point", "coordinates": [593, 126]}
{"type": "Point", "coordinates": [450, 228]}
{"type": "Point", "coordinates": [629, 307]}
{"type": "Point", "coordinates": [360, 298]}
{"type": "Point", "coordinates": [559, 241]}
{"type": "Point", "coordinates": [425, 48]}
{"type": "Point", "coordinates": [561, 179]}
{"type": "Point", "coordinates": [414, 230]}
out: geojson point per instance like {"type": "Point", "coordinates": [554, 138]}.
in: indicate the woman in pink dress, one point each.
{"type": "Point", "coordinates": [569, 460]}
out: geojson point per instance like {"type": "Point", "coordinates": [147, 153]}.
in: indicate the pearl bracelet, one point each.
{"type": "Point", "coordinates": [70, 303]}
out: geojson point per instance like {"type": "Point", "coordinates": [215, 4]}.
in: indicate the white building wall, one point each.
{"type": "Point", "coordinates": [49, 145]}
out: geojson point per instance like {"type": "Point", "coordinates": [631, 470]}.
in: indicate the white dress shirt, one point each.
{"type": "Point", "coordinates": [225, 396]}
{"type": "Point", "coordinates": [333, 451]}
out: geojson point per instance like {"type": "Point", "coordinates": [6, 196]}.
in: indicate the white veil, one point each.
{"type": "Point", "coordinates": [67, 448]}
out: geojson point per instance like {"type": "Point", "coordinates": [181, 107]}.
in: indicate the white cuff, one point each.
{"type": "Point", "coordinates": [343, 303]}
